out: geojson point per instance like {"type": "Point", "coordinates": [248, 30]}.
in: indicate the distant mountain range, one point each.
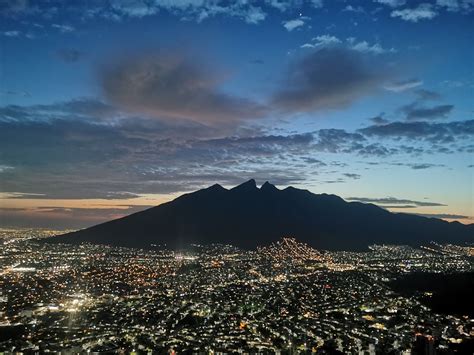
{"type": "Point", "coordinates": [247, 216]}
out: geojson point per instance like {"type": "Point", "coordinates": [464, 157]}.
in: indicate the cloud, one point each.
{"type": "Point", "coordinates": [352, 176]}
{"type": "Point", "coordinates": [84, 158]}
{"type": "Point", "coordinates": [136, 8]}
{"type": "Point", "coordinates": [188, 9]}
{"type": "Point", "coordinates": [433, 132]}
{"type": "Point", "coordinates": [327, 78]}
{"type": "Point", "coordinates": [11, 33]}
{"type": "Point", "coordinates": [403, 85]}
{"type": "Point", "coordinates": [78, 109]}
{"type": "Point", "coordinates": [391, 3]}
{"type": "Point", "coordinates": [465, 6]}
{"type": "Point", "coordinates": [395, 201]}
{"type": "Point", "coordinates": [174, 87]}
{"type": "Point", "coordinates": [290, 25]}
{"type": "Point", "coordinates": [365, 47]}
{"type": "Point", "coordinates": [424, 11]}
{"type": "Point", "coordinates": [322, 41]}
{"type": "Point", "coordinates": [63, 28]}
{"type": "Point", "coordinates": [351, 43]}
{"type": "Point", "coordinates": [69, 55]}
{"type": "Point", "coordinates": [121, 10]}
{"type": "Point", "coordinates": [379, 120]}
{"type": "Point", "coordinates": [326, 40]}
{"type": "Point", "coordinates": [356, 9]}
{"type": "Point", "coordinates": [317, 4]}
{"type": "Point", "coordinates": [426, 95]}
{"type": "Point", "coordinates": [4, 168]}
{"type": "Point", "coordinates": [442, 215]}
{"type": "Point", "coordinates": [15, 93]}
{"type": "Point", "coordinates": [414, 112]}
{"type": "Point", "coordinates": [423, 166]}
{"type": "Point", "coordinates": [86, 148]}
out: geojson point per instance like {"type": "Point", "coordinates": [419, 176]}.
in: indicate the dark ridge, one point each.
{"type": "Point", "coordinates": [268, 187]}
{"type": "Point", "coordinates": [246, 186]}
{"type": "Point", "coordinates": [247, 217]}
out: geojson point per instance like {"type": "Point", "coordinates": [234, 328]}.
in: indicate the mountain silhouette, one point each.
{"type": "Point", "coordinates": [247, 216]}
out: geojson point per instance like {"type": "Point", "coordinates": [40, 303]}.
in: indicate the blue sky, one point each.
{"type": "Point", "coordinates": [109, 107]}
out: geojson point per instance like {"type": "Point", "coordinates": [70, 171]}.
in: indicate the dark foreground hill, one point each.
{"type": "Point", "coordinates": [247, 216]}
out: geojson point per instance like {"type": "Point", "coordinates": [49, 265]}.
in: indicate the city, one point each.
{"type": "Point", "coordinates": [282, 297]}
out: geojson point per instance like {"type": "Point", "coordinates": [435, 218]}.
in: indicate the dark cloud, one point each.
{"type": "Point", "coordinates": [69, 55]}
{"type": "Point", "coordinates": [433, 132]}
{"type": "Point", "coordinates": [15, 93]}
{"type": "Point", "coordinates": [375, 149]}
{"type": "Point", "coordinates": [175, 87]}
{"type": "Point", "coordinates": [414, 166]}
{"type": "Point", "coordinates": [81, 158]}
{"type": "Point", "coordinates": [398, 206]}
{"type": "Point", "coordinates": [337, 140]}
{"type": "Point", "coordinates": [327, 78]}
{"type": "Point", "coordinates": [378, 120]}
{"type": "Point", "coordinates": [78, 109]}
{"type": "Point", "coordinates": [395, 202]}
{"type": "Point", "coordinates": [352, 176]}
{"type": "Point", "coordinates": [442, 215]}
{"type": "Point", "coordinates": [89, 149]}
{"type": "Point", "coordinates": [427, 94]}
{"type": "Point", "coordinates": [415, 112]}
{"type": "Point", "coordinates": [423, 166]}
{"type": "Point", "coordinates": [309, 160]}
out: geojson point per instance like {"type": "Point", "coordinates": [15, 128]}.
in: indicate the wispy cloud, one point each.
{"type": "Point", "coordinates": [404, 85]}
{"type": "Point", "coordinates": [424, 11]}
{"type": "Point", "coordinates": [63, 28]}
{"type": "Point", "coordinates": [395, 201]}
{"type": "Point", "coordinates": [299, 22]}
{"type": "Point", "coordinates": [352, 43]}
{"type": "Point", "coordinates": [391, 3]}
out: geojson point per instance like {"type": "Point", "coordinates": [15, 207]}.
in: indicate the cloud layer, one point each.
{"type": "Point", "coordinates": [88, 149]}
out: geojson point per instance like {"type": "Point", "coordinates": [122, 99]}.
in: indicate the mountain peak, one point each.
{"type": "Point", "coordinates": [248, 185]}
{"type": "Point", "coordinates": [216, 187]}
{"type": "Point", "coordinates": [268, 187]}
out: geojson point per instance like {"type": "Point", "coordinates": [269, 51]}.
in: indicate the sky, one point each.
{"type": "Point", "coordinates": [109, 107]}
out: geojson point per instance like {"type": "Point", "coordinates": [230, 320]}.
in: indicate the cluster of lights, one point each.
{"type": "Point", "coordinates": [289, 249]}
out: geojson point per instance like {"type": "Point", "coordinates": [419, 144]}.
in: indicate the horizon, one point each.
{"type": "Point", "coordinates": [126, 105]}
{"type": "Point", "coordinates": [229, 188]}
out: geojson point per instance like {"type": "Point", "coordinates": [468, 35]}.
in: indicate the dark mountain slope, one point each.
{"type": "Point", "coordinates": [247, 216]}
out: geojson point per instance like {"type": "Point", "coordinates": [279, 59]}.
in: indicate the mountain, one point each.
{"type": "Point", "coordinates": [247, 216]}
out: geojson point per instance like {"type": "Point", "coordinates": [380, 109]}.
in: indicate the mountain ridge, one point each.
{"type": "Point", "coordinates": [247, 216]}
